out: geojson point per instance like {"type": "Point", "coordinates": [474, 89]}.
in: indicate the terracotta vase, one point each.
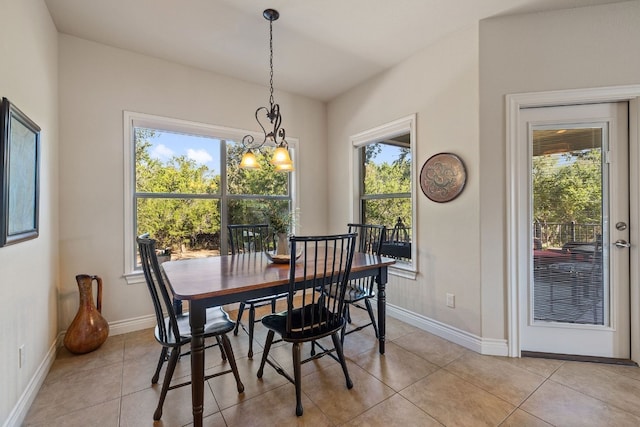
{"type": "Point", "coordinates": [89, 330]}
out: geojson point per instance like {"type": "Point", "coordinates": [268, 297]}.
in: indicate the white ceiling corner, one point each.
{"type": "Point", "coordinates": [321, 47]}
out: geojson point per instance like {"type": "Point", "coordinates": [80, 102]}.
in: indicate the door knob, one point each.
{"type": "Point", "coordinates": [622, 243]}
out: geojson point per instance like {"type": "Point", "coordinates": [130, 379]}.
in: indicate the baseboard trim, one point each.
{"type": "Point", "coordinates": [19, 412]}
{"type": "Point", "coordinates": [131, 325]}
{"type": "Point", "coordinates": [488, 346]}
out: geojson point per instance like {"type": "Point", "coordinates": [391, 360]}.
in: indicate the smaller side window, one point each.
{"type": "Point", "coordinates": [384, 194]}
{"type": "Point", "coordinates": [385, 198]}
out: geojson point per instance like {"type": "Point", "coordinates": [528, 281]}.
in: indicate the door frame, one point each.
{"type": "Point", "coordinates": [516, 245]}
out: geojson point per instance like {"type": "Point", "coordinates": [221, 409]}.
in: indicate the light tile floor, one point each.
{"type": "Point", "coordinates": [422, 380]}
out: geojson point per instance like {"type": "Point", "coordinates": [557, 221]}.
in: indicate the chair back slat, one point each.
{"type": "Point", "coordinates": [247, 238]}
{"type": "Point", "coordinates": [162, 301]}
{"type": "Point", "coordinates": [370, 237]}
{"type": "Point", "coordinates": [319, 300]}
{"type": "Point", "coordinates": [369, 241]}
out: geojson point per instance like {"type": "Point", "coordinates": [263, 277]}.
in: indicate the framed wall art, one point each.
{"type": "Point", "coordinates": [19, 175]}
{"type": "Point", "coordinates": [443, 177]}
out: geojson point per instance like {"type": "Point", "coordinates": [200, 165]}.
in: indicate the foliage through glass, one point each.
{"type": "Point", "coordinates": [386, 184]}
{"type": "Point", "coordinates": [567, 194]}
{"type": "Point", "coordinates": [180, 193]}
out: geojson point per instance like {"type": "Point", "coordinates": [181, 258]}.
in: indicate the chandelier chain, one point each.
{"type": "Point", "coordinates": [271, 102]}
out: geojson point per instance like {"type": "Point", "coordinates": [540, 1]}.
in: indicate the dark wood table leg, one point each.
{"type": "Point", "coordinates": [197, 318]}
{"type": "Point", "coordinates": [382, 307]}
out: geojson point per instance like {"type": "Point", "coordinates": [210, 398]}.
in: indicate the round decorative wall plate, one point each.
{"type": "Point", "coordinates": [442, 177]}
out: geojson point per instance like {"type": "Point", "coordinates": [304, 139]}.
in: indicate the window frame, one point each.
{"type": "Point", "coordinates": [387, 131]}
{"type": "Point", "coordinates": [132, 120]}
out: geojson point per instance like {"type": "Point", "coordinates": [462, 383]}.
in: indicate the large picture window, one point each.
{"type": "Point", "coordinates": [184, 186]}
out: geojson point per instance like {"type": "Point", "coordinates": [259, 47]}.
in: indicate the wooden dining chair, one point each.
{"type": "Point", "coordinates": [173, 331]}
{"type": "Point", "coordinates": [316, 310]}
{"type": "Point", "coordinates": [369, 241]}
{"type": "Point", "coordinates": [251, 238]}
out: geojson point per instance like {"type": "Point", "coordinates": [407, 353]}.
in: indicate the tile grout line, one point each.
{"type": "Point", "coordinates": [124, 347]}
{"type": "Point", "coordinates": [609, 404]}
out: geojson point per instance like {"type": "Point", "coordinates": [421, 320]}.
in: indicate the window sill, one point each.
{"type": "Point", "coordinates": [134, 277]}
{"type": "Point", "coordinates": [405, 271]}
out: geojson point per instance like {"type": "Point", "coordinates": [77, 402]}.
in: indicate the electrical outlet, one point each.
{"type": "Point", "coordinates": [21, 356]}
{"type": "Point", "coordinates": [451, 300]}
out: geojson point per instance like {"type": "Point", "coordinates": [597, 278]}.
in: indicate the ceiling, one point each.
{"type": "Point", "coordinates": [321, 47]}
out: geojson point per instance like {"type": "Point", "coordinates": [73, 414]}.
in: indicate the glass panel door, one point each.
{"type": "Point", "coordinates": [568, 176]}
{"type": "Point", "coordinates": [574, 298]}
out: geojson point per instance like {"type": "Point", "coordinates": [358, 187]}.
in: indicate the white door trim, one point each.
{"type": "Point", "coordinates": [515, 249]}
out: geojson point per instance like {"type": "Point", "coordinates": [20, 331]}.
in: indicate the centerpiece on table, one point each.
{"type": "Point", "coordinates": [281, 223]}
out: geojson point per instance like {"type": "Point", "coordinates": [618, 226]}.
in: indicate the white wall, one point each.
{"type": "Point", "coordinates": [457, 87]}
{"type": "Point", "coordinates": [96, 84]}
{"type": "Point", "coordinates": [568, 49]}
{"type": "Point", "coordinates": [440, 84]}
{"type": "Point", "coordinates": [28, 270]}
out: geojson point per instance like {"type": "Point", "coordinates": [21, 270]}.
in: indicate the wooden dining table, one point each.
{"type": "Point", "coordinates": [214, 281]}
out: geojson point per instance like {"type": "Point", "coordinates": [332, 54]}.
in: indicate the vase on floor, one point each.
{"type": "Point", "coordinates": [89, 330]}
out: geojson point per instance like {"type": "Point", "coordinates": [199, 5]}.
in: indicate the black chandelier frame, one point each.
{"type": "Point", "coordinates": [277, 134]}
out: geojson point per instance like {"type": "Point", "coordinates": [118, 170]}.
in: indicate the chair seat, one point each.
{"type": "Point", "coordinates": [264, 300]}
{"type": "Point", "coordinates": [355, 293]}
{"type": "Point", "coordinates": [302, 316]}
{"type": "Point", "coordinates": [218, 322]}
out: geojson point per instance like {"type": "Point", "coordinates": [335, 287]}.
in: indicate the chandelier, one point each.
{"type": "Point", "coordinates": [276, 135]}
